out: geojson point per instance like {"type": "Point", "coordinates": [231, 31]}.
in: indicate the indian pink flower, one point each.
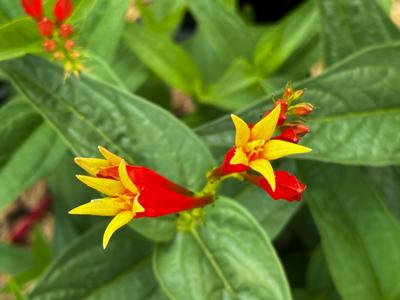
{"type": "Point", "coordinates": [131, 192]}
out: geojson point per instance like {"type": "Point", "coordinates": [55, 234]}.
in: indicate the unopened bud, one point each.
{"type": "Point", "coordinates": [288, 135]}
{"type": "Point", "coordinates": [298, 128]}
{"type": "Point", "coordinates": [68, 67]}
{"type": "Point", "coordinates": [297, 94]}
{"type": "Point", "coordinates": [49, 45]}
{"type": "Point", "coordinates": [66, 30]}
{"type": "Point", "coordinates": [45, 27]}
{"type": "Point", "coordinates": [301, 109]}
{"type": "Point", "coordinates": [58, 55]}
{"type": "Point", "coordinates": [288, 92]}
{"type": "Point", "coordinates": [75, 54]}
{"type": "Point", "coordinates": [69, 44]}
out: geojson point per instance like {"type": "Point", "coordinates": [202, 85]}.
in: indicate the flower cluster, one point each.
{"type": "Point", "coordinates": [57, 34]}
{"type": "Point", "coordinates": [256, 146]}
{"type": "Point", "coordinates": [131, 192]}
{"type": "Point", "coordinates": [135, 192]}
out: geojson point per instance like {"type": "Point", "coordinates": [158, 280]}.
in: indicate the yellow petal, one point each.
{"type": "Point", "coordinates": [239, 158]}
{"type": "Point", "coordinates": [275, 149]}
{"type": "Point", "coordinates": [126, 181]}
{"type": "Point", "coordinates": [111, 157]}
{"type": "Point", "coordinates": [137, 207]}
{"type": "Point", "coordinates": [116, 223]}
{"type": "Point", "coordinates": [264, 167]}
{"type": "Point", "coordinates": [110, 187]}
{"type": "Point", "coordinates": [92, 165]}
{"type": "Point", "coordinates": [264, 128]}
{"type": "Point", "coordinates": [242, 131]}
{"type": "Point", "coordinates": [100, 207]}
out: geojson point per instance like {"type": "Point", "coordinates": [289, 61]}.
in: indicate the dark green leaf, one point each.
{"type": "Point", "coordinates": [227, 33]}
{"type": "Point", "coordinates": [229, 257]}
{"type": "Point", "coordinates": [348, 26]}
{"type": "Point", "coordinates": [163, 57]}
{"type": "Point", "coordinates": [86, 271]}
{"type": "Point", "coordinates": [360, 238]}
{"type": "Point", "coordinates": [18, 38]}
{"type": "Point", "coordinates": [13, 259]}
{"type": "Point", "coordinates": [281, 40]}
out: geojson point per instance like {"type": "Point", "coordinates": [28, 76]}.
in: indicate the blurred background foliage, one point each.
{"type": "Point", "coordinates": [201, 60]}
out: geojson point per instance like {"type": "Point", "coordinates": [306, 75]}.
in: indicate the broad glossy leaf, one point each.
{"type": "Point", "coordinates": [103, 28]}
{"type": "Point", "coordinates": [281, 40]}
{"type": "Point", "coordinates": [25, 141]}
{"type": "Point", "coordinates": [86, 271]}
{"type": "Point", "coordinates": [14, 259]}
{"type": "Point", "coordinates": [360, 238]}
{"type": "Point", "coordinates": [229, 257]}
{"type": "Point", "coordinates": [272, 215]}
{"type": "Point", "coordinates": [227, 33]}
{"type": "Point", "coordinates": [162, 16]}
{"type": "Point", "coordinates": [387, 181]}
{"type": "Point", "coordinates": [18, 38]}
{"type": "Point", "coordinates": [166, 59]}
{"type": "Point", "coordinates": [88, 113]}
{"type": "Point", "coordinates": [348, 26]}
{"type": "Point", "coordinates": [357, 111]}
{"type": "Point", "coordinates": [239, 85]}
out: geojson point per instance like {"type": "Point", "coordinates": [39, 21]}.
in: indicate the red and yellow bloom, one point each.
{"type": "Point", "coordinates": [131, 192]}
{"type": "Point", "coordinates": [255, 146]}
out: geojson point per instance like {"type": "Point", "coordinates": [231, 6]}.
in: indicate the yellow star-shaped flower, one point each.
{"type": "Point", "coordinates": [255, 148]}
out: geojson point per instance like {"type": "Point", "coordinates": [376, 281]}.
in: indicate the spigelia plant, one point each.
{"type": "Point", "coordinates": [199, 150]}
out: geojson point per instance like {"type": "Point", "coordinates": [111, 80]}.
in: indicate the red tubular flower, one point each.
{"type": "Point", "coordinates": [288, 135]}
{"type": "Point", "coordinates": [33, 8]}
{"type": "Point", "coordinates": [288, 187]}
{"type": "Point", "coordinates": [45, 27]}
{"type": "Point", "coordinates": [62, 10]}
{"type": "Point", "coordinates": [227, 168]}
{"type": "Point", "coordinates": [132, 192]}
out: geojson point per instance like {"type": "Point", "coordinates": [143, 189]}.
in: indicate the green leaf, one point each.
{"type": "Point", "coordinates": [103, 28]}
{"type": "Point", "coordinates": [13, 259]}
{"type": "Point", "coordinates": [348, 26]}
{"type": "Point", "coordinates": [229, 257]}
{"type": "Point", "coordinates": [166, 59]}
{"type": "Point", "coordinates": [360, 238]}
{"type": "Point", "coordinates": [280, 41]}
{"type": "Point", "coordinates": [86, 271]}
{"type": "Point", "coordinates": [162, 16]}
{"type": "Point", "coordinates": [82, 10]}
{"type": "Point", "coordinates": [272, 215]}
{"type": "Point", "coordinates": [238, 86]}
{"type": "Point", "coordinates": [26, 141]}
{"type": "Point", "coordinates": [357, 109]}
{"type": "Point", "coordinates": [387, 180]}
{"type": "Point", "coordinates": [227, 33]}
{"type": "Point", "coordinates": [87, 113]}
{"type": "Point", "coordinates": [18, 38]}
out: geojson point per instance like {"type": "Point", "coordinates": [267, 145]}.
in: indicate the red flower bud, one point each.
{"type": "Point", "coordinates": [298, 128]}
{"type": "Point", "coordinates": [301, 109]}
{"type": "Point", "coordinates": [282, 115]}
{"type": "Point", "coordinates": [69, 44]}
{"type": "Point", "coordinates": [62, 10]}
{"type": "Point", "coordinates": [49, 45]}
{"type": "Point", "coordinates": [287, 186]}
{"type": "Point", "coordinates": [227, 168]}
{"type": "Point", "coordinates": [45, 27]}
{"type": "Point", "coordinates": [288, 135]}
{"type": "Point", "coordinates": [33, 8]}
{"type": "Point", "coordinates": [66, 30]}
